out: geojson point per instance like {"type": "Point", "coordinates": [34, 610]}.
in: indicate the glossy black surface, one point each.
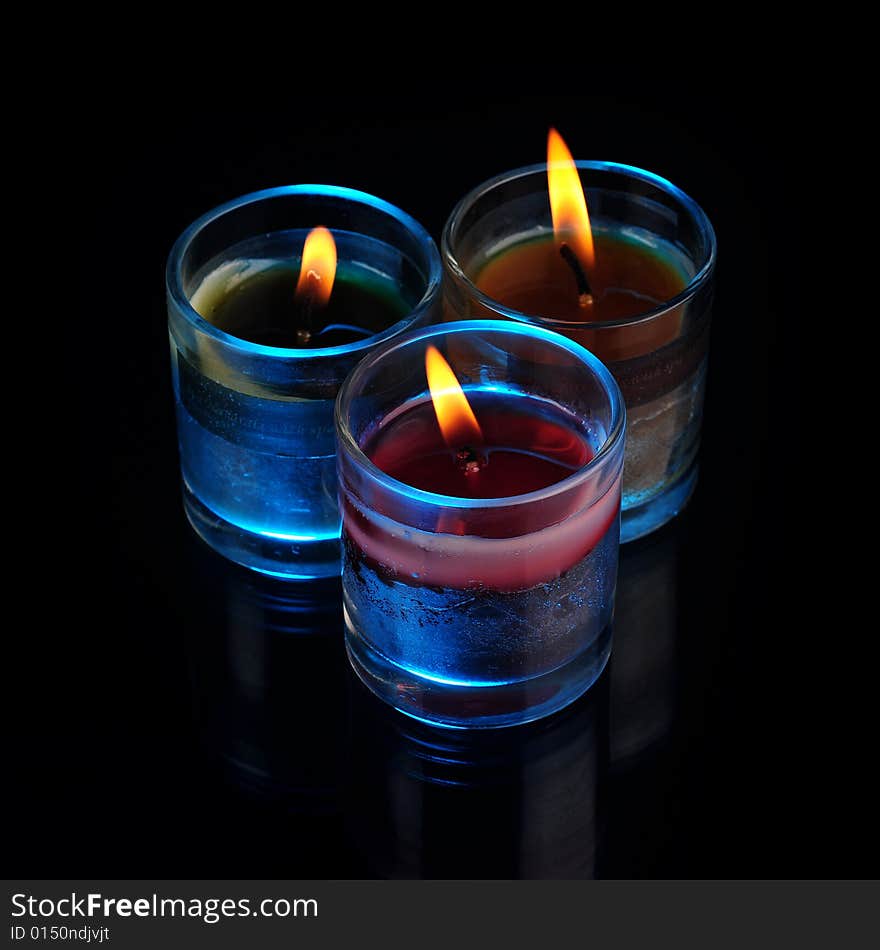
{"type": "Point", "coordinates": [180, 717]}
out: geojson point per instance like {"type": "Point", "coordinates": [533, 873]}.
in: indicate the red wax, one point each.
{"type": "Point", "coordinates": [524, 449]}
{"type": "Point", "coordinates": [527, 445]}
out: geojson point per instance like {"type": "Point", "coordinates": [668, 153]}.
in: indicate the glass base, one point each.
{"type": "Point", "coordinates": [460, 706]}
{"type": "Point", "coordinates": [299, 560]}
{"type": "Point", "coordinates": [643, 519]}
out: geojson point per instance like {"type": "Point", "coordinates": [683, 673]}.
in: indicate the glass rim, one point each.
{"type": "Point", "coordinates": [613, 439]}
{"type": "Point", "coordinates": [174, 277]}
{"type": "Point", "coordinates": [690, 289]}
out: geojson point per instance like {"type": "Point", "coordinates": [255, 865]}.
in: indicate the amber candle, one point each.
{"type": "Point", "coordinates": [623, 264]}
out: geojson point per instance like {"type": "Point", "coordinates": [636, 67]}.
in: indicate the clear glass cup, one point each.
{"type": "Point", "coordinates": [255, 422]}
{"type": "Point", "coordinates": [481, 611]}
{"type": "Point", "coordinates": [658, 357]}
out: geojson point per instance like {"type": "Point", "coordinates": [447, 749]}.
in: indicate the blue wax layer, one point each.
{"type": "Point", "coordinates": [262, 466]}
{"type": "Point", "coordinates": [483, 657]}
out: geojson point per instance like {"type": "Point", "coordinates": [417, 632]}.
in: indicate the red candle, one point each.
{"type": "Point", "coordinates": [521, 450]}
{"type": "Point", "coordinates": [479, 521]}
{"type": "Point", "coordinates": [485, 445]}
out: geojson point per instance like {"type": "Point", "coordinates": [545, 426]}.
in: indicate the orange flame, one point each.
{"type": "Point", "coordinates": [454, 415]}
{"type": "Point", "coordinates": [568, 207]}
{"type": "Point", "coordinates": [318, 269]}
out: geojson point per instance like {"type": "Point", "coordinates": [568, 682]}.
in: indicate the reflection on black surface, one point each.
{"type": "Point", "coordinates": [524, 802]}
{"type": "Point", "coordinates": [647, 756]}
{"type": "Point", "coordinates": [643, 675]}
{"type": "Point", "coordinates": [295, 731]}
{"type": "Point", "coordinates": [268, 670]}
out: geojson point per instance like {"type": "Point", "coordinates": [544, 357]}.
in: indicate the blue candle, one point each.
{"type": "Point", "coordinates": [262, 337]}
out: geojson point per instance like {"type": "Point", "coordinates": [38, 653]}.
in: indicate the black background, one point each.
{"type": "Point", "coordinates": [156, 666]}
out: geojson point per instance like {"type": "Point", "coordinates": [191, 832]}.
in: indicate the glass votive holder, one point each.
{"type": "Point", "coordinates": [481, 611]}
{"type": "Point", "coordinates": [654, 245]}
{"type": "Point", "coordinates": [255, 413]}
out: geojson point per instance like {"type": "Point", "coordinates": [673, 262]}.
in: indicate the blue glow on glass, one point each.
{"type": "Point", "coordinates": [332, 536]}
{"type": "Point", "coordinates": [448, 681]}
{"type": "Point", "coordinates": [282, 575]}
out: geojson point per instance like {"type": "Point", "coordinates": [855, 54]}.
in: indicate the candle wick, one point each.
{"type": "Point", "coordinates": [585, 292]}
{"type": "Point", "coordinates": [307, 309]}
{"type": "Point", "coordinates": [469, 460]}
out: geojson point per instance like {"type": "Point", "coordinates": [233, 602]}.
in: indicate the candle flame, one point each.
{"type": "Point", "coordinates": [568, 207]}
{"type": "Point", "coordinates": [318, 269]}
{"type": "Point", "coordinates": [454, 415]}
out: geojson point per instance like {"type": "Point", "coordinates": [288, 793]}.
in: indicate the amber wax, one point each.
{"type": "Point", "coordinates": [633, 284]}
{"type": "Point", "coordinates": [628, 278]}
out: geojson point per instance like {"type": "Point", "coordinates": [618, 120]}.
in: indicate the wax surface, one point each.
{"type": "Point", "coordinates": [256, 301]}
{"type": "Point", "coordinates": [628, 279]}
{"type": "Point", "coordinates": [526, 446]}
